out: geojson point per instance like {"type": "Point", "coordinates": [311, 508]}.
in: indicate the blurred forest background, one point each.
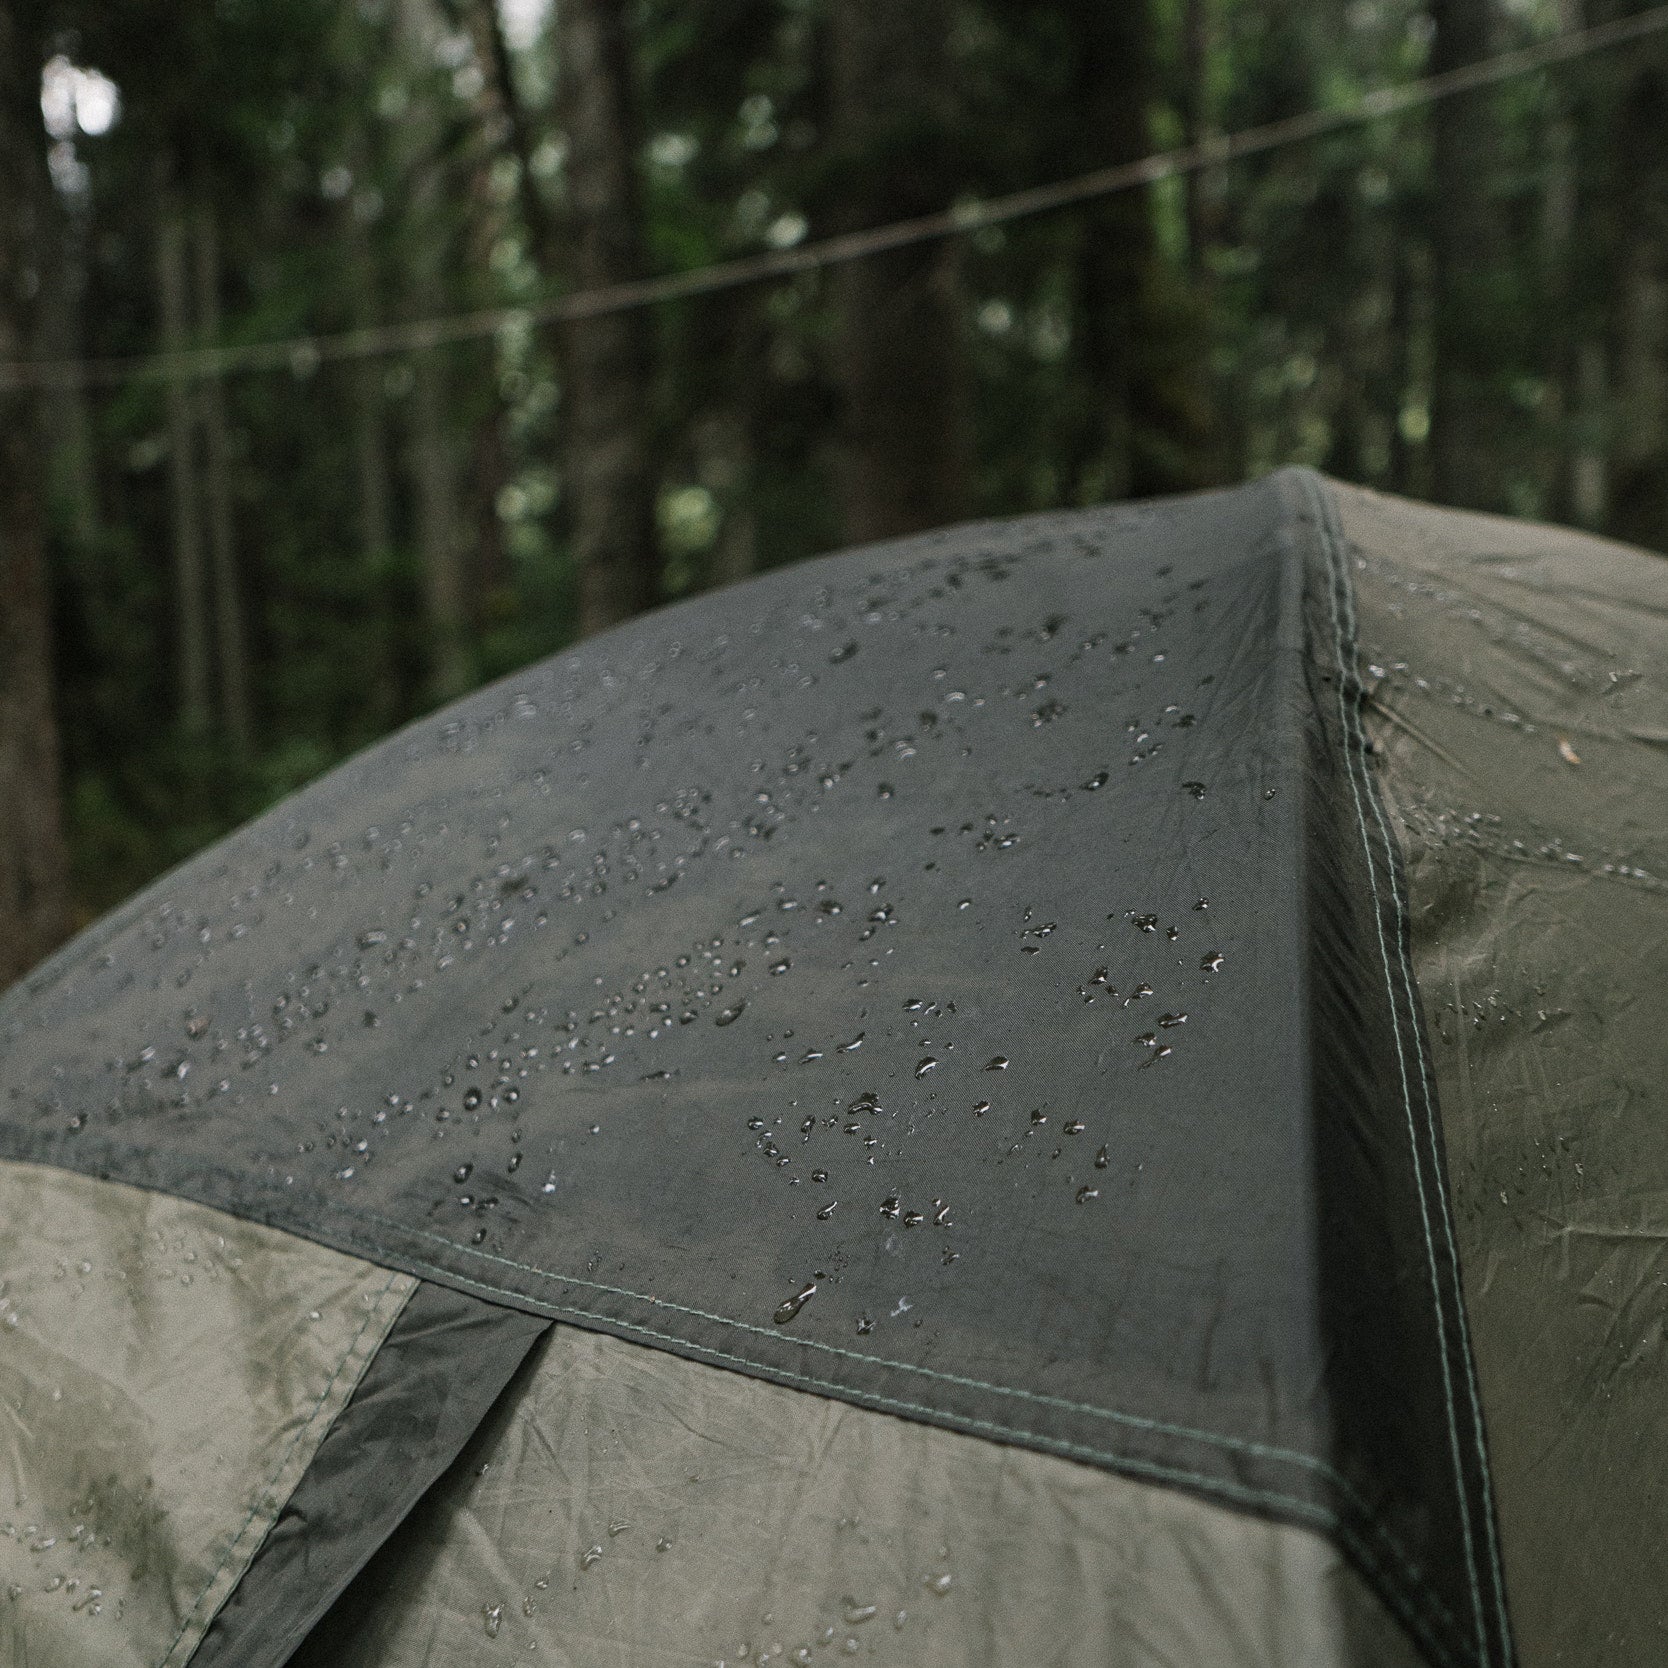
{"type": "Point", "coordinates": [217, 579]}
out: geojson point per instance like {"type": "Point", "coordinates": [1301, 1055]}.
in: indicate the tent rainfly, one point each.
{"type": "Point", "coordinates": [1073, 1091]}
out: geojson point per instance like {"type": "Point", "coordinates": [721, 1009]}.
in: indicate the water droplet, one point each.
{"type": "Point", "coordinates": [471, 1099]}
{"type": "Point", "coordinates": [925, 1065]}
{"type": "Point", "coordinates": [1085, 1194]}
{"type": "Point", "coordinates": [618, 1526]}
{"type": "Point", "coordinates": [890, 1206]}
{"type": "Point", "coordinates": [730, 1015]}
{"type": "Point", "coordinates": [590, 1556]}
{"type": "Point", "coordinates": [782, 966]}
{"type": "Point", "coordinates": [852, 1046]}
{"type": "Point", "coordinates": [1075, 1127]}
{"type": "Point", "coordinates": [493, 1616]}
{"type": "Point", "coordinates": [1197, 789]}
{"type": "Point", "coordinates": [1097, 781]}
{"type": "Point", "coordinates": [789, 1307]}
{"type": "Point", "coordinates": [1146, 923]}
{"type": "Point", "coordinates": [1212, 963]}
{"type": "Point", "coordinates": [827, 1210]}
{"type": "Point", "coordinates": [856, 1614]}
{"type": "Point", "coordinates": [980, 1108]}
{"type": "Point", "coordinates": [461, 1174]}
{"type": "Point", "coordinates": [864, 1326]}
{"type": "Point", "coordinates": [1172, 1019]}
{"type": "Point", "coordinates": [1102, 1159]}
{"type": "Point", "coordinates": [997, 1062]}
{"type": "Point", "coordinates": [664, 1544]}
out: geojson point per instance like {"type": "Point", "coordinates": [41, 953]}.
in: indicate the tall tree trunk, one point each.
{"type": "Point", "coordinates": [217, 475]}
{"type": "Point", "coordinates": [1469, 427]}
{"type": "Point", "coordinates": [1639, 457]}
{"type": "Point", "coordinates": [430, 230]}
{"type": "Point", "coordinates": [74, 477]}
{"type": "Point", "coordinates": [34, 865]}
{"type": "Point", "coordinates": [607, 361]}
{"type": "Point", "coordinates": [184, 501]}
{"type": "Point", "coordinates": [508, 129]}
{"type": "Point", "coordinates": [905, 444]}
{"type": "Point", "coordinates": [1117, 259]}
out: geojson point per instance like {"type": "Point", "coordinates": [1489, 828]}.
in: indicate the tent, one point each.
{"type": "Point", "coordinates": [1076, 1090]}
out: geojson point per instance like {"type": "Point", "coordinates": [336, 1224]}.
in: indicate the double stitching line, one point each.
{"type": "Point", "coordinates": [1245, 1494]}
{"type": "Point", "coordinates": [1343, 621]}
{"type": "Point", "coordinates": [1408, 1568]}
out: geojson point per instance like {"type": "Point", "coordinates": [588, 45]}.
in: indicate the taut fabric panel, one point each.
{"type": "Point", "coordinates": [1520, 702]}
{"type": "Point", "coordinates": [166, 1376]}
{"type": "Point", "coordinates": [624, 1508]}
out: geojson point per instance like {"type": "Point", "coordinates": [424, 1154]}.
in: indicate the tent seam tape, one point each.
{"type": "Point", "coordinates": [262, 1497]}
{"type": "Point", "coordinates": [1410, 1569]}
{"type": "Point", "coordinates": [1443, 1211]}
{"type": "Point", "coordinates": [1361, 785]}
{"type": "Point", "coordinates": [1244, 1493]}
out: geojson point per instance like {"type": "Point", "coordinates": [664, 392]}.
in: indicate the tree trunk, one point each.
{"type": "Point", "coordinates": [184, 502]}
{"type": "Point", "coordinates": [217, 474]}
{"type": "Point", "coordinates": [1638, 510]}
{"type": "Point", "coordinates": [1469, 427]}
{"type": "Point", "coordinates": [509, 131]}
{"type": "Point", "coordinates": [607, 361]}
{"type": "Point", "coordinates": [429, 231]}
{"type": "Point", "coordinates": [1116, 277]}
{"type": "Point", "coordinates": [34, 865]}
{"type": "Point", "coordinates": [905, 441]}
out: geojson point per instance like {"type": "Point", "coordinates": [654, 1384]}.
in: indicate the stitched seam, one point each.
{"type": "Point", "coordinates": [1410, 1570]}
{"type": "Point", "coordinates": [1352, 739]}
{"type": "Point", "coordinates": [1444, 1212]}
{"type": "Point", "coordinates": [278, 1470]}
{"type": "Point", "coordinates": [1244, 1493]}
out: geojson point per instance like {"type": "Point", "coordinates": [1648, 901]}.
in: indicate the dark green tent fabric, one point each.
{"type": "Point", "coordinates": [964, 978]}
{"type": "Point", "coordinates": [1519, 680]}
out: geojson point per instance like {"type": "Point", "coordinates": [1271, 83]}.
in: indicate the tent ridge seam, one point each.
{"type": "Point", "coordinates": [1360, 788]}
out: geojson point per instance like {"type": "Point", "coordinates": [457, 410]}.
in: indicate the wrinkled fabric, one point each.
{"type": "Point", "coordinates": [166, 1375]}
{"type": "Point", "coordinates": [960, 977]}
{"type": "Point", "coordinates": [624, 1508]}
{"type": "Point", "coordinates": [442, 1365]}
{"type": "Point", "coordinates": [1519, 683]}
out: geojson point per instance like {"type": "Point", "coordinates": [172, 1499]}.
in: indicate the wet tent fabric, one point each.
{"type": "Point", "coordinates": [948, 977]}
{"type": "Point", "coordinates": [167, 1374]}
{"type": "Point", "coordinates": [1519, 680]}
{"type": "Point", "coordinates": [624, 1508]}
{"type": "Point", "coordinates": [439, 1370]}
{"type": "Point", "coordinates": [958, 1014]}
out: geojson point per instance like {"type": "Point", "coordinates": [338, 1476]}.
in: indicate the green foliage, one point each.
{"type": "Point", "coordinates": [1273, 310]}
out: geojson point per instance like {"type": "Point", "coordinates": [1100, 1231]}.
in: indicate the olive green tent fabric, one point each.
{"type": "Point", "coordinates": [166, 1375]}
{"type": "Point", "coordinates": [1520, 705]}
{"type": "Point", "coordinates": [627, 1508]}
